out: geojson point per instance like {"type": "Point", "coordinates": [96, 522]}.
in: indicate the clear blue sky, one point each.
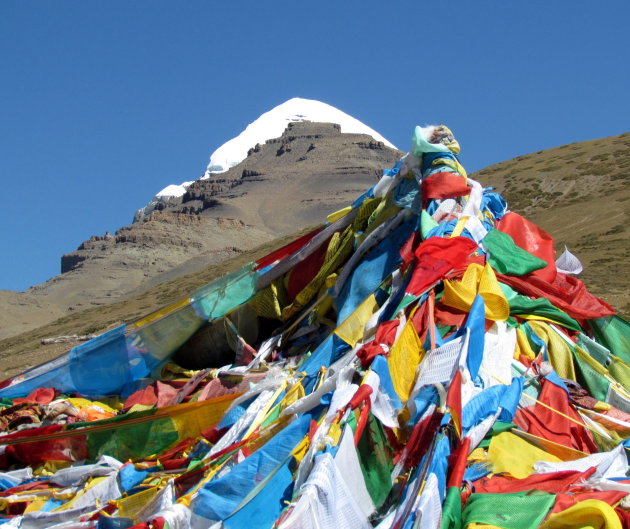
{"type": "Point", "coordinates": [102, 104]}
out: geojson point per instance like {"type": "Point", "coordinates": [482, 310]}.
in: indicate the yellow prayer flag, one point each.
{"type": "Point", "coordinates": [459, 227]}
{"type": "Point", "coordinates": [129, 506]}
{"type": "Point", "coordinates": [351, 330]}
{"type": "Point", "coordinates": [510, 454]}
{"type": "Point", "coordinates": [333, 217]}
{"type": "Point", "coordinates": [586, 514]}
{"type": "Point", "coordinates": [565, 453]}
{"type": "Point", "coordinates": [404, 357]}
{"type": "Point", "coordinates": [481, 280]}
{"type": "Point", "coordinates": [523, 346]}
{"type": "Point", "coordinates": [559, 351]}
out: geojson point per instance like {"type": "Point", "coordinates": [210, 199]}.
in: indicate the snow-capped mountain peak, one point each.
{"type": "Point", "coordinates": [268, 126]}
{"type": "Point", "coordinates": [273, 123]}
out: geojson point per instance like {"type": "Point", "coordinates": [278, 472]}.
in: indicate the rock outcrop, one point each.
{"type": "Point", "coordinates": [290, 182]}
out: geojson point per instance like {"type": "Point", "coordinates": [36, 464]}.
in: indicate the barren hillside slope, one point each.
{"type": "Point", "coordinates": [580, 194]}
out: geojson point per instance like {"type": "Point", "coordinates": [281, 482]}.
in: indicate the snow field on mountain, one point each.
{"type": "Point", "coordinates": [271, 125]}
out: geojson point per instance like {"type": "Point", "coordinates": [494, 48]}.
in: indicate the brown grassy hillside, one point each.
{"type": "Point", "coordinates": [580, 194]}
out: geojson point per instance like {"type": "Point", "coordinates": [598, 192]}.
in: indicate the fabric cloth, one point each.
{"type": "Point", "coordinates": [506, 257]}
{"type": "Point", "coordinates": [588, 514]}
{"type": "Point", "coordinates": [325, 501]}
{"type": "Point", "coordinates": [540, 420]}
{"type": "Point", "coordinates": [481, 280]}
{"type": "Point", "coordinates": [532, 239]}
{"type": "Point", "coordinates": [517, 510]}
{"type": "Point", "coordinates": [436, 257]}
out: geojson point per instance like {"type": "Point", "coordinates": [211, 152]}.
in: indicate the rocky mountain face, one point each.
{"type": "Point", "coordinates": [107, 268]}
{"type": "Point", "coordinates": [291, 181]}
{"type": "Point", "coordinates": [284, 185]}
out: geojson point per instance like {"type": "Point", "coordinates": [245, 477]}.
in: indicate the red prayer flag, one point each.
{"type": "Point", "coordinates": [457, 464]}
{"type": "Point", "coordinates": [39, 396]}
{"type": "Point", "coordinates": [541, 421]}
{"type": "Point", "coordinates": [286, 250]}
{"type": "Point", "coordinates": [565, 292]}
{"type": "Point", "coordinates": [554, 482]}
{"type": "Point", "coordinates": [533, 239]}
{"type": "Point", "coordinates": [443, 185]}
{"type": "Point", "coordinates": [437, 257]}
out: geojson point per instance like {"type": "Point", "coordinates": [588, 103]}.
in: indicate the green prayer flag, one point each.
{"type": "Point", "coordinates": [519, 510]}
{"type": "Point", "coordinates": [614, 333]}
{"type": "Point", "coordinates": [222, 295]}
{"type": "Point", "coordinates": [541, 307]}
{"type": "Point", "coordinates": [375, 458]}
{"type": "Point", "coordinates": [597, 351]}
{"type": "Point", "coordinates": [427, 223]}
{"type": "Point", "coordinates": [506, 257]}
{"type": "Point", "coordinates": [590, 374]}
{"type": "Point", "coordinates": [452, 509]}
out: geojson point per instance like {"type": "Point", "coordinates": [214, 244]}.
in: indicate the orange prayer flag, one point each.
{"type": "Point", "coordinates": [454, 401]}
